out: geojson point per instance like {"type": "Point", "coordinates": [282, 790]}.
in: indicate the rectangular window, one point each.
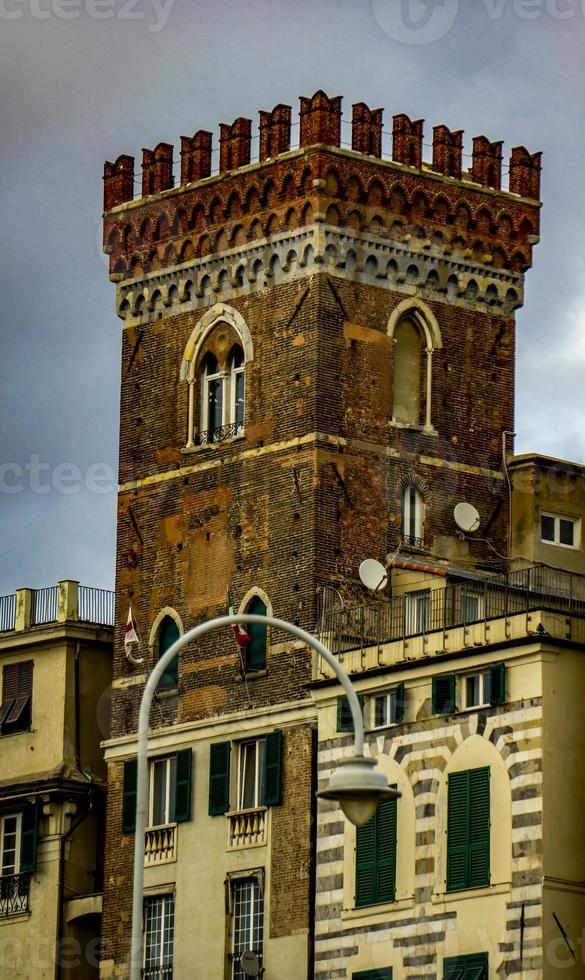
{"type": "Point", "coordinates": [159, 937]}
{"type": "Point", "coordinates": [485, 687]}
{"type": "Point", "coordinates": [472, 606]}
{"type": "Point", "coordinates": [375, 873]}
{"type": "Point", "coordinates": [473, 967]}
{"type": "Point", "coordinates": [468, 830]}
{"type": "Point", "coordinates": [247, 923]}
{"type": "Point", "coordinates": [388, 708]}
{"type": "Point", "coordinates": [10, 843]}
{"type": "Point", "coordinates": [561, 531]}
{"type": "Point", "coordinates": [163, 783]}
{"type": "Point", "coordinates": [15, 710]}
{"type": "Point", "coordinates": [417, 612]}
{"type": "Point", "coordinates": [251, 773]}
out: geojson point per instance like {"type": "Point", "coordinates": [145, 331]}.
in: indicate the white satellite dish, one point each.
{"type": "Point", "coordinates": [466, 517]}
{"type": "Point", "coordinates": [249, 963]}
{"type": "Point", "coordinates": [373, 574]}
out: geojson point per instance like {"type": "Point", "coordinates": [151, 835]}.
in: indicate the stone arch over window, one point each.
{"type": "Point", "coordinates": [477, 752]}
{"type": "Point", "coordinates": [416, 335]}
{"type": "Point", "coordinates": [257, 603]}
{"type": "Point", "coordinates": [166, 629]}
{"type": "Point", "coordinates": [213, 366]}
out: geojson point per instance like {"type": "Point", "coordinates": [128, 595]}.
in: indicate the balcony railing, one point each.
{"type": "Point", "coordinates": [66, 602]}
{"type": "Point", "coordinates": [209, 437]}
{"type": "Point", "coordinates": [409, 541]}
{"type": "Point", "coordinates": [247, 828]}
{"type": "Point", "coordinates": [160, 846]}
{"type": "Point", "coordinates": [158, 972]}
{"type": "Point", "coordinates": [95, 605]}
{"type": "Point", "coordinates": [7, 612]}
{"type": "Point", "coordinates": [45, 603]}
{"type": "Point", "coordinates": [14, 894]}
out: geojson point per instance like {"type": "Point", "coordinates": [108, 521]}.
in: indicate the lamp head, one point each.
{"type": "Point", "coordinates": [358, 789]}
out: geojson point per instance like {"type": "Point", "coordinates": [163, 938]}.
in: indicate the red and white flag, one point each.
{"type": "Point", "coordinates": [241, 637]}
{"type": "Point", "coordinates": [131, 638]}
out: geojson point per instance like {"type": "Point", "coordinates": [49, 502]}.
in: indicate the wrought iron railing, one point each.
{"type": "Point", "coordinates": [7, 612]}
{"type": "Point", "coordinates": [45, 603]}
{"type": "Point", "coordinates": [209, 437]}
{"type": "Point", "coordinates": [14, 894]}
{"type": "Point", "coordinates": [158, 972]}
{"type": "Point", "coordinates": [95, 605]}
{"type": "Point", "coordinates": [409, 541]}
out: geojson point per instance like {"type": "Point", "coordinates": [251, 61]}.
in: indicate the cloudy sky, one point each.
{"type": "Point", "coordinates": [85, 80]}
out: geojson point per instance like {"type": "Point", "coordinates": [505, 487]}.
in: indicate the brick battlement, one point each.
{"type": "Point", "coordinates": [322, 180]}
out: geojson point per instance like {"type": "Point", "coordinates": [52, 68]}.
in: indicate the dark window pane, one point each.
{"type": "Point", "coordinates": [547, 527]}
{"type": "Point", "coordinates": [567, 532]}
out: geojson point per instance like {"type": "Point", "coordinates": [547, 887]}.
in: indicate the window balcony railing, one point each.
{"type": "Point", "coordinates": [158, 972]}
{"type": "Point", "coordinates": [247, 828]}
{"type": "Point", "coordinates": [160, 845]}
{"type": "Point", "coordinates": [409, 541]}
{"type": "Point", "coordinates": [209, 437]}
{"type": "Point", "coordinates": [14, 894]}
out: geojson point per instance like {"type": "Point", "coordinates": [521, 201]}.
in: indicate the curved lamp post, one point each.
{"type": "Point", "coordinates": [355, 784]}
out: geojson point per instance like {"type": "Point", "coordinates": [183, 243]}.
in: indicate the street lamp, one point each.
{"type": "Point", "coordinates": [355, 785]}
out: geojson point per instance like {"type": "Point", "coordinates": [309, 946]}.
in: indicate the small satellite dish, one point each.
{"type": "Point", "coordinates": [466, 517]}
{"type": "Point", "coordinates": [249, 963]}
{"type": "Point", "coordinates": [373, 574]}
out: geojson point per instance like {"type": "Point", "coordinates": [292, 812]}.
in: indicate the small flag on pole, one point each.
{"type": "Point", "coordinates": [130, 638]}
{"type": "Point", "coordinates": [241, 637]}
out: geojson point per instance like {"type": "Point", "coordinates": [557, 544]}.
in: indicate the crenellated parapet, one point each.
{"type": "Point", "coordinates": [397, 196]}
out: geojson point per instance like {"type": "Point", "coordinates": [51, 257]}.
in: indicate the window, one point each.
{"type": "Point", "coordinates": [170, 791]}
{"type": "Point", "coordinates": [408, 347]}
{"type": "Point", "coordinates": [222, 397]}
{"type": "Point", "coordinates": [562, 531]}
{"type": "Point", "coordinates": [212, 395]}
{"type": "Point", "coordinates": [163, 782]}
{"type": "Point", "coordinates": [444, 694]}
{"type": "Point", "coordinates": [388, 708]}
{"type": "Point", "coordinates": [167, 635]}
{"type": "Point", "coordinates": [474, 967]}
{"type": "Point", "coordinates": [159, 937]}
{"type": "Point", "coordinates": [485, 687]}
{"type": "Point", "coordinates": [15, 710]}
{"type": "Point", "coordinates": [344, 715]}
{"type": "Point", "coordinates": [10, 834]}
{"type": "Point", "coordinates": [18, 858]}
{"type": "Point", "coordinates": [417, 612]}
{"type": "Point", "coordinates": [472, 605]}
{"type": "Point", "coordinates": [247, 922]}
{"type": "Point", "coordinates": [412, 517]}
{"type": "Point", "coordinates": [375, 874]}
{"type": "Point", "coordinates": [255, 651]}
{"type": "Point", "coordinates": [468, 830]}
{"type": "Point", "coordinates": [258, 769]}
{"type": "Point", "coordinates": [237, 383]}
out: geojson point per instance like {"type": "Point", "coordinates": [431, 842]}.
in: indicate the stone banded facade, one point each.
{"type": "Point", "coordinates": [426, 924]}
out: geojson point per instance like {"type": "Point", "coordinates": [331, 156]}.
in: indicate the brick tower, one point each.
{"type": "Point", "coordinates": [317, 364]}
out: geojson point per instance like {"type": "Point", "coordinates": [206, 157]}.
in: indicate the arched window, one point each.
{"type": "Point", "coordinates": [413, 512]}
{"type": "Point", "coordinates": [168, 633]}
{"type": "Point", "coordinates": [408, 347]}
{"type": "Point", "coordinates": [212, 399]}
{"type": "Point", "coordinates": [256, 649]}
{"type": "Point", "coordinates": [237, 390]}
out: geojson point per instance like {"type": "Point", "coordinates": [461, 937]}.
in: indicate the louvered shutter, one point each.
{"type": "Point", "coordinates": [400, 697]}
{"type": "Point", "coordinates": [9, 689]}
{"type": "Point", "coordinates": [366, 860]}
{"type": "Point", "coordinates": [219, 778]}
{"type": "Point", "coordinates": [457, 831]}
{"type": "Point", "coordinates": [129, 796]}
{"type": "Point", "coordinates": [183, 786]}
{"type": "Point", "coordinates": [497, 684]}
{"type": "Point", "coordinates": [28, 841]}
{"type": "Point", "coordinates": [256, 650]}
{"type": "Point", "coordinates": [385, 973]}
{"type": "Point", "coordinates": [272, 769]}
{"type": "Point", "coordinates": [444, 694]}
{"type": "Point", "coordinates": [168, 634]}
{"type": "Point", "coordinates": [479, 828]}
{"type": "Point", "coordinates": [472, 967]}
{"type": "Point", "coordinates": [386, 850]}
{"type": "Point", "coordinates": [344, 715]}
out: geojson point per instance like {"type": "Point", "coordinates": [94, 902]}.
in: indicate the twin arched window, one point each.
{"type": "Point", "coordinates": [415, 337]}
{"type": "Point", "coordinates": [222, 397]}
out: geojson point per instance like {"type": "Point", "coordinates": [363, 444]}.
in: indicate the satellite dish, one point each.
{"type": "Point", "coordinates": [373, 574]}
{"type": "Point", "coordinates": [249, 963]}
{"type": "Point", "coordinates": [466, 517]}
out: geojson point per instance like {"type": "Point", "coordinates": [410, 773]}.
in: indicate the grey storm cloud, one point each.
{"type": "Point", "coordinates": [85, 80]}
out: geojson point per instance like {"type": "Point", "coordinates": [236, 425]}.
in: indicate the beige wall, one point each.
{"type": "Point", "coordinates": [551, 486]}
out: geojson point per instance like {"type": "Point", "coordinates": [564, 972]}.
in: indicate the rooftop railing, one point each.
{"type": "Point", "coordinates": [62, 603]}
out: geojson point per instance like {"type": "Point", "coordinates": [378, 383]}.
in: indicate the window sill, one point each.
{"type": "Point", "coordinates": [190, 450]}
{"type": "Point", "coordinates": [425, 429]}
{"type": "Point", "coordinates": [377, 914]}
{"type": "Point", "coordinates": [444, 898]}
{"type": "Point", "coordinates": [21, 731]}
{"type": "Point", "coordinates": [170, 693]}
{"type": "Point", "coordinates": [253, 675]}
{"type": "Point", "coordinates": [13, 917]}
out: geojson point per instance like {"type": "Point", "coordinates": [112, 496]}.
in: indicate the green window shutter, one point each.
{"type": "Point", "coordinates": [383, 973]}
{"type": "Point", "coordinates": [272, 769]}
{"type": "Point", "coordinates": [219, 778]}
{"type": "Point", "coordinates": [444, 694]}
{"type": "Point", "coordinates": [498, 684]}
{"type": "Point", "coordinates": [129, 796]}
{"type": "Point", "coordinates": [256, 650]}
{"type": "Point", "coordinates": [479, 828]}
{"type": "Point", "coordinates": [457, 831]}
{"type": "Point", "coordinates": [366, 861]}
{"type": "Point", "coordinates": [386, 870]}
{"type": "Point", "coordinates": [344, 715]}
{"type": "Point", "coordinates": [168, 634]}
{"type": "Point", "coordinates": [472, 967]}
{"type": "Point", "coordinates": [400, 698]}
{"type": "Point", "coordinates": [183, 786]}
{"type": "Point", "coordinates": [29, 837]}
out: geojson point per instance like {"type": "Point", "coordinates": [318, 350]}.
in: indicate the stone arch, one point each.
{"type": "Point", "coordinates": [172, 614]}
{"type": "Point", "coordinates": [219, 313]}
{"type": "Point", "coordinates": [418, 310]}
{"type": "Point", "coordinates": [413, 361]}
{"type": "Point", "coordinates": [256, 592]}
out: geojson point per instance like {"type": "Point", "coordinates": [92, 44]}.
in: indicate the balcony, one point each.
{"type": "Point", "coordinates": [210, 437]}
{"type": "Point", "coordinates": [160, 845]}
{"type": "Point", "coordinates": [62, 603]}
{"type": "Point", "coordinates": [14, 895]}
{"type": "Point", "coordinates": [158, 972]}
{"type": "Point", "coordinates": [247, 828]}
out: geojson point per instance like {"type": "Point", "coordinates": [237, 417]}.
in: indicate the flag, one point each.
{"type": "Point", "coordinates": [241, 637]}
{"type": "Point", "coordinates": [130, 637]}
